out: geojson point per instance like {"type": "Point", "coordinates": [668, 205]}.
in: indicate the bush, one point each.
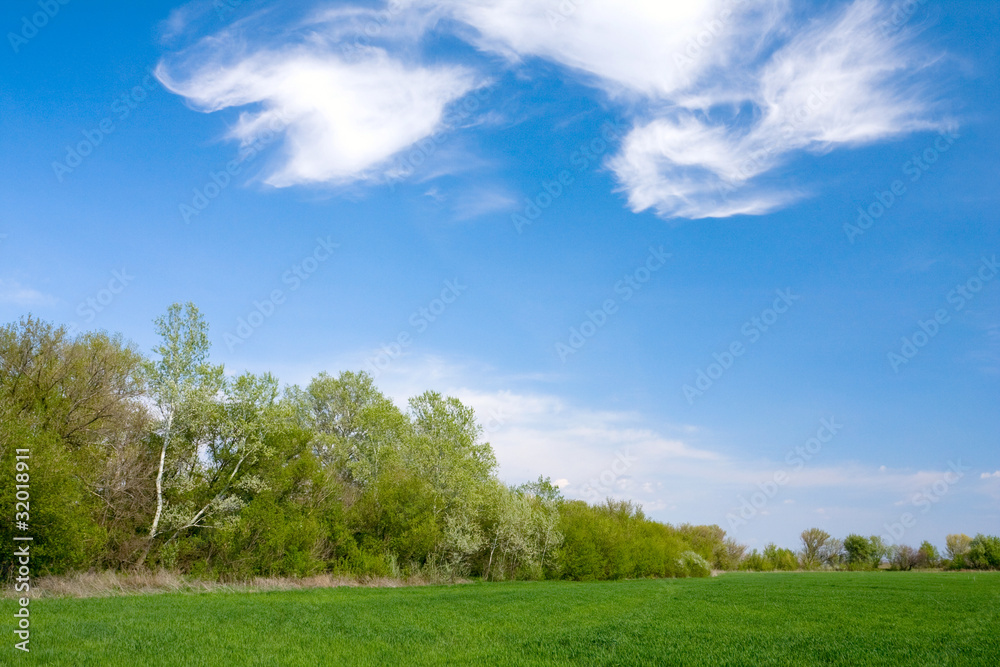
{"type": "Point", "coordinates": [694, 565]}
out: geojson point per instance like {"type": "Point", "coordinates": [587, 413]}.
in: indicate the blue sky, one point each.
{"type": "Point", "coordinates": [569, 214]}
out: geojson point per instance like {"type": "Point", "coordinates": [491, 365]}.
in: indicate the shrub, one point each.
{"type": "Point", "coordinates": [694, 565]}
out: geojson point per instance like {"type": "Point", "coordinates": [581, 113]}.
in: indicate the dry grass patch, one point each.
{"type": "Point", "coordinates": [112, 584]}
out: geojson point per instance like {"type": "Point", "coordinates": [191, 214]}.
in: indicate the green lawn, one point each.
{"type": "Point", "coordinates": [735, 619]}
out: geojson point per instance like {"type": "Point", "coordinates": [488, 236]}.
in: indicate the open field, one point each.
{"type": "Point", "coordinates": [735, 619]}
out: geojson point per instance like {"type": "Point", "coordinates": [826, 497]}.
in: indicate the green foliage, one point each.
{"type": "Point", "coordinates": [814, 548]}
{"type": "Point", "coordinates": [74, 403]}
{"type": "Point", "coordinates": [957, 546]}
{"type": "Point", "coordinates": [772, 558]}
{"type": "Point", "coordinates": [169, 462]}
{"type": "Point", "coordinates": [927, 556]}
{"type": "Point", "coordinates": [692, 564]}
{"type": "Point", "coordinates": [984, 553]}
{"type": "Point", "coordinates": [616, 541]}
{"type": "Point", "coordinates": [859, 552]}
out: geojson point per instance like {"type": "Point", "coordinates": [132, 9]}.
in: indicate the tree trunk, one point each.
{"type": "Point", "coordinates": [159, 495]}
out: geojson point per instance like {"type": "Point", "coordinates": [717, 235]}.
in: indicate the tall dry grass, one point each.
{"type": "Point", "coordinates": [111, 584]}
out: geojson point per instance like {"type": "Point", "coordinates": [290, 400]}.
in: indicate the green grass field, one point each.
{"type": "Point", "coordinates": [735, 619]}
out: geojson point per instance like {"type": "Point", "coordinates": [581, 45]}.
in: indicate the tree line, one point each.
{"type": "Point", "coordinates": [168, 461]}
{"type": "Point", "coordinates": [856, 552]}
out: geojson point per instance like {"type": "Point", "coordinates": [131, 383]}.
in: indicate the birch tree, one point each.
{"type": "Point", "coordinates": [180, 383]}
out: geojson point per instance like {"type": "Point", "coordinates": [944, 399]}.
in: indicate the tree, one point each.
{"type": "Point", "coordinates": [813, 542]}
{"type": "Point", "coordinates": [984, 552]}
{"type": "Point", "coordinates": [928, 555]}
{"type": "Point", "coordinates": [730, 554]}
{"type": "Point", "coordinates": [448, 452]}
{"type": "Point", "coordinates": [903, 557]}
{"type": "Point", "coordinates": [359, 432]}
{"type": "Point", "coordinates": [181, 384]}
{"type": "Point", "coordinates": [832, 553]}
{"type": "Point", "coordinates": [780, 558]}
{"type": "Point", "coordinates": [957, 546]}
{"type": "Point", "coordinates": [879, 551]}
{"type": "Point", "coordinates": [234, 433]}
{"type": "Point", "coordinates": [859, 551]}
{"type": "Point", "coordinates": [75, 402]}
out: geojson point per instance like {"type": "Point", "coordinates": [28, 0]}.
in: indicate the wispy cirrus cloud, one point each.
{"type": "Point", "coordinates": [726, 91]}
{"type": "Point", "coordinates": [342, 117]}
{"type": "Point", "coordinates": [720, 93]}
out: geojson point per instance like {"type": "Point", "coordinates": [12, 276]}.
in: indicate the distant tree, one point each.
{"type": "Point", "coordinates": [957, 546]}
{"type": "Point", "coordinates": [780, 559]}
{"type": "Point", "coordinates": [928, 555]}
{"type": "Point", "coordinates": [813, 543]}
{"type": "Point", "coordinates": [903, 557]}
{"type": "Point", "coordinates": [542, 488]}
{"type": "Point", "coordinates": [833, 553]}
{"type": "Point", "coordinates": [729, 554]}
{"type": "Point", "coordinates": [984, 552]}
{"type": "Point", "coordinates": [859, 551]}
{"type": "Point", "coordinates": [879, 551]}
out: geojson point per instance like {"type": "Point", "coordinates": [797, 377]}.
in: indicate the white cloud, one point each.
{"type": "Point", "coordinates": [720, 92]}
{"type": "Point", "coordinates": [627, 46]}
{"type": "Point", "coordinates": [838, 83]}
{"type": "Point", "coordinates": [13, 292]}
{"type": "Point", "coordinates": [729, 95]}
{"type": "Point", "coordinates": [986, 475]}
{"type": "Point", "coordinates": [341, 118]}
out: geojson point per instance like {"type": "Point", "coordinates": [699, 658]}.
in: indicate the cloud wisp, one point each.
{"type": "Point", "coordinates": [720, 93]}
{"type": "Point", "coordinates": [342, 117]}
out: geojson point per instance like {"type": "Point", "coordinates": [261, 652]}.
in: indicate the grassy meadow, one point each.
{"type": "Point", "coordinates": [874, 618]}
